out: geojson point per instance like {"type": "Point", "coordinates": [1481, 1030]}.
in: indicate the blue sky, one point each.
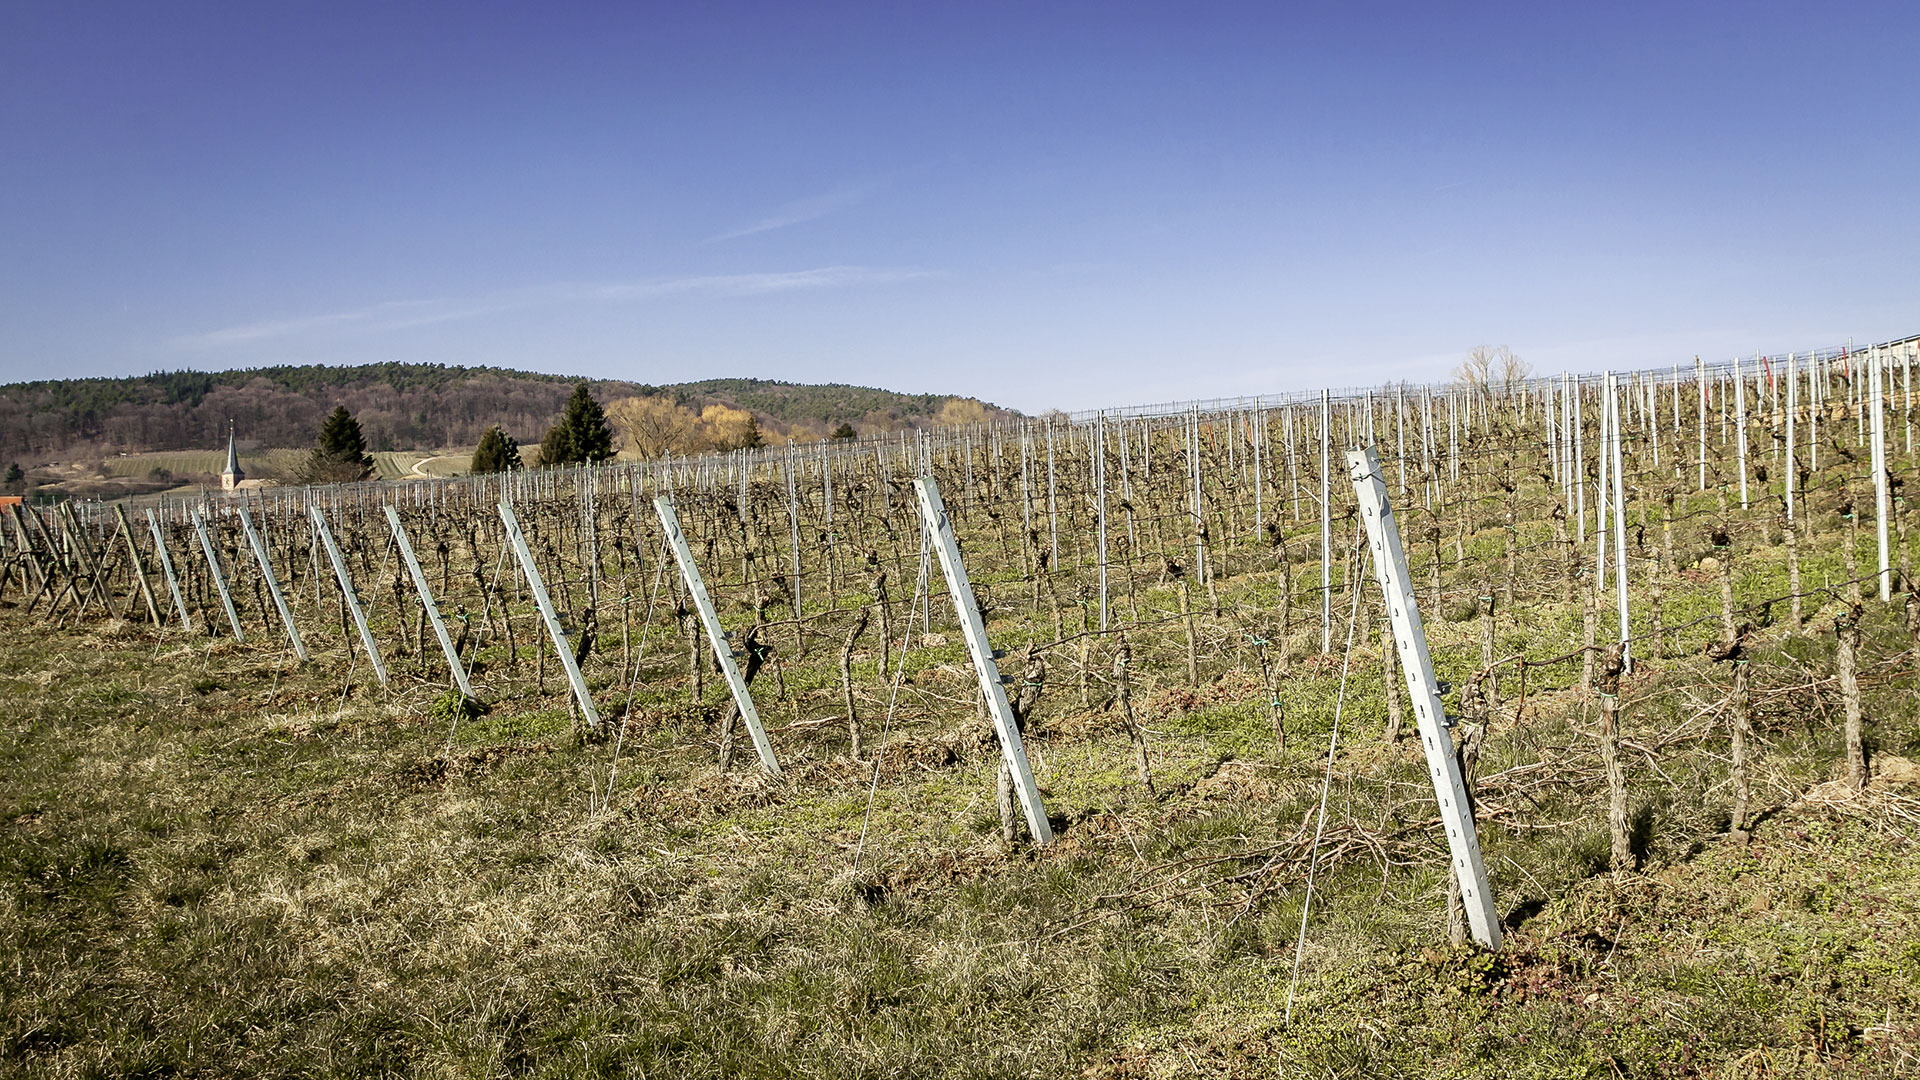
{"type": "Point", "coordinates": [1043, 205]}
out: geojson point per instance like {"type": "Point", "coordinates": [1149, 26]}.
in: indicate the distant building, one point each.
{"type": "Point", "coordinates": [230, 478]}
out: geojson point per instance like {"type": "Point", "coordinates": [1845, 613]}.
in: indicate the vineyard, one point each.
{"type": "Point", "coordinates": [388, 465]}
{"type": "Point", "coordinates": [457, 776]}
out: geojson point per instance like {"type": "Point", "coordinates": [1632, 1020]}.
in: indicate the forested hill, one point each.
{"type": "Point", "coordinates": [399, 406]}
{"type": "Point", "coordinates": [794, 403]}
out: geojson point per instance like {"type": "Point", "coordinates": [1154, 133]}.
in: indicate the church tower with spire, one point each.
{"type": "Point", "coordinates": [230, 479]}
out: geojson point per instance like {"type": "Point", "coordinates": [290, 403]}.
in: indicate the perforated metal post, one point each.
{"type": "Point", "coordinates": [793, 521]}
{"type": "Point", "coordinates": [1100, 506]}
{"type": "Point", "coordinates": [1601, 492]}
{"type": "Point", "coordinates": [1793, 407]}
{"type": "Point", "coordinates": [549, 616]}
{"type": "Point", "coordinates": [219, 579]}
{"type": "Point", "coordinates": [1740, 426]}
{"type": "Point", "coordinates": [1612, 452]}
{"type": "Point", "coordinates": [1700, 382]}
{"type": "Point", "coordinates": [273, 584]}
{"type": "Point", "coordinates": [166, 566]}
{"type": "Point", "coordinates": [1876, 373]}
{"type": "Point", "coordinates": [1410, 637]}
{"type": "Point", "coordinates": [425, 592]}
{"type": "Point", "coordinates": [1326, 521]}
{"type": "Point", "coordinates": [1579, 460]}
{"type": "Point", "coordinates": [1200, 574]}
{"type": "Point", "coordinates": [933, 513]}
{"type": "Point", "coordinates": [716, 634]}
{"type": "Point", "coordinates": [340, 575]}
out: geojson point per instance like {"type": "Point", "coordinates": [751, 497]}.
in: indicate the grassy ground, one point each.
{"type": "Point", "coordinates": [213, 863]}
{"type": "Point", "coordinates": [216, 862]}
{"type": "Point", "coordinates": [203, 462]}
{"type": "Point", "coordinates": [408, 464]}
{"type": "Point", "coordinates": [285, 464]}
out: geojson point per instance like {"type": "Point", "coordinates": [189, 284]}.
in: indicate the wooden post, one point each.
{"type": "Point", "coordinates": [1620, 853]}
{"type": "Point", "coordinates": [1846, 628]}
{"type": "Point", "coordinates": [83, 552]}
{"type": "Point", "coordinates": [139, 572]}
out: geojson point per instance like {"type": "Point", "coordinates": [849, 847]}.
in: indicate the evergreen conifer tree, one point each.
{"type": "Point", "coordinates": [557, 447]}
{"type": "Point", "coordinates": [845, 431]}
{"type": "Point", "coordinates": [582, 435]}
{"type": "Point", "coordinates": [587, 426]}
{"type": "Point", "coordinates": [498, 452]}
{"type": "Point", "coordinates": [340, 453]}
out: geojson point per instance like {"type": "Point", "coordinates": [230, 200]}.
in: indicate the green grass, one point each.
{"type": "Point", "coordinates": [284, 464]}
{"type": "Point", "coordinates": [275, 463]}
{"type": "Point", "coordinates": [199, 879]}
{"type": "Point", "coordinates": [216, 862]}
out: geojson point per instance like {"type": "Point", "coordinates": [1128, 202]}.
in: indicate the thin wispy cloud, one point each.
{"type": "Point", "coordinates": [394, 315]}
{"type": "Point", "coordinates": [825, 277]}
{"type": "Point", "coordinates": [382, 314]}
{"type": "Point", "coordinates": [801, 211]}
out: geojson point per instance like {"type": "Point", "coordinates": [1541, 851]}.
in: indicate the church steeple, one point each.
{"type": "Point", "coordinates": [231, 477]}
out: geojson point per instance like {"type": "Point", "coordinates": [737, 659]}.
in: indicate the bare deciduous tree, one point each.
{"type": "Point", "coordinates": [1492, 370]}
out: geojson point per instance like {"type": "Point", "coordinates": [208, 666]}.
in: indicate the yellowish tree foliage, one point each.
{"type": "Point", "coordinates": [959, 411]}
{"type": "Point", "coordinates": [651, 426]}
{"type": "Point", "coordinates": [726, 428]}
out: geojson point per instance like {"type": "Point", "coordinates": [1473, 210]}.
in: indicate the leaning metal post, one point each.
{"type": "Point", "coordinates": [934, 514]}
{"type": "Point", "coordinates": [347, 593]}
{"type": "Point", "coordinates": [219, 579]}
{"type": "Point", "coordinates": [549, 616]}
{"type": "Point", "coordinates": [426, 601]}
{"type": "Point", "coordinates": [716, 635]}
{"type": "Point", "coordinates": [166, 566]}
{"type": "Point", "coordinates": [1410, 636]}
{"type": "Point", "coordinates": [273, 586]}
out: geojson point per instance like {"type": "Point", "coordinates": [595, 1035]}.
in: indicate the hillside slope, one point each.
{"type": "Point", "coordinates": [399, 406]}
